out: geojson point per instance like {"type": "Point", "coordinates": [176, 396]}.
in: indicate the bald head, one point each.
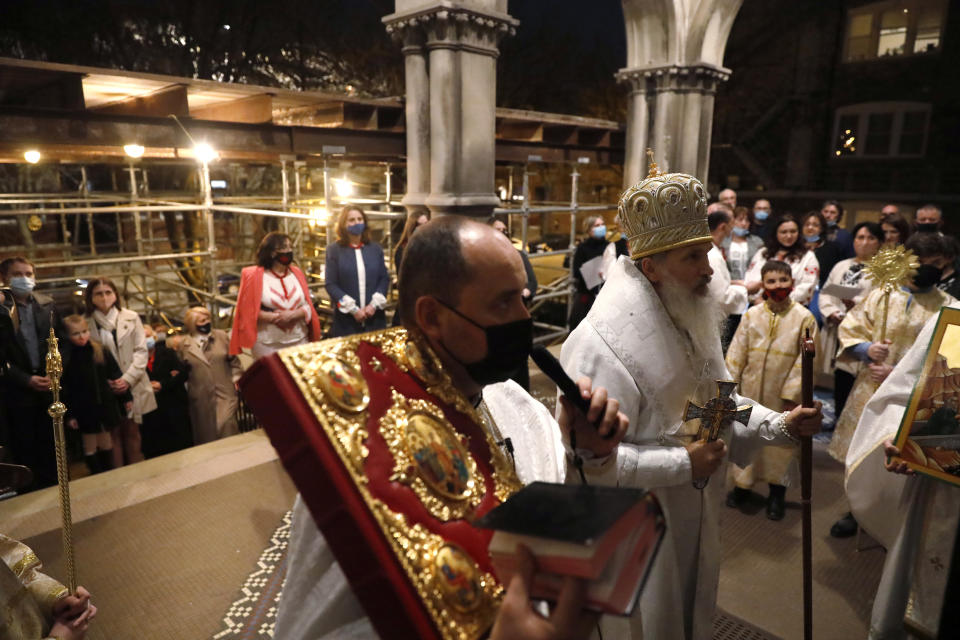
{"type": "Point", "coordinates": [448, 254]}
{"type": "Point", "coordinates": [728, 197]}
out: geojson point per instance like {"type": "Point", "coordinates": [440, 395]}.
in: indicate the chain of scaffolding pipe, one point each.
{"type": "Point", "coordinates": [309, 213]}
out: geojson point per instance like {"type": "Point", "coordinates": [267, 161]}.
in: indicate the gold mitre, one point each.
{"type": "Point", "coordinates": [663, 212]}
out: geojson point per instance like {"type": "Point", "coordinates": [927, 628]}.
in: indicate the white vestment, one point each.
{"type": "Point", "coordinates": [317, 602]}
{"type": "Point", "coordinates": [732, 297]}
{"type": "Point", "coordinates": [629, 345]}
{"type": "Point", "coordinates": [915, 518]}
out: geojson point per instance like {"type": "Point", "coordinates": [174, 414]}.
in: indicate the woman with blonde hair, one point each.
{"type": "Point", "coordinates": [93, 407]}
{"type": "Point", "coordinates": [356, 276]}
{"type": "Point", "coordinates": [211, 385]}
{"type": "Point", "coordinates": [120, 331]}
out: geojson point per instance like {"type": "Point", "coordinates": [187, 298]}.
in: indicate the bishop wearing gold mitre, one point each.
{"type": "Point", "coordinates": [652, 339]}
{"type": "Point", "coordinates": [399, 439]}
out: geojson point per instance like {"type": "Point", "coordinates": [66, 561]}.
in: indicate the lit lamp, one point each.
{"type": "Point", "coordinates": [204, 153]}
{"type": "Point", "coordinates": [32, 156]}
{"type": "Point", "coordinates": [343, 187]}
{"type": "Point", "coordinates": [133, 150]}
{"type": "Point", "coordinates": [318, 216]}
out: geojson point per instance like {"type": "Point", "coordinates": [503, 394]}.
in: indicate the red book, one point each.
{"type": "Point", "coordinates": [605, 535]}
{"type": "Point", "coordinates": [394, 465]}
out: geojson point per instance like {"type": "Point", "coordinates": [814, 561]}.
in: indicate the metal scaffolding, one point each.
{"type": "Point", "coordinates": [171, 250]}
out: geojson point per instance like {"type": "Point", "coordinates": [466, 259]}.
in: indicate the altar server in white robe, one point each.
{"type": "Point", "coordinates": [915, 517]}
{"type": "Point", "coordinates": [652, 339]}
{"type": "Point", "coordinates": [482, 287]}
{"type": "Point", "coordinates": [731, 295]}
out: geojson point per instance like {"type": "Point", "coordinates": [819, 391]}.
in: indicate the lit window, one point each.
{"type": "Point", "coordinates": [894, 28]}
{"type": "Point", "coordinates": [881, 129]}
{"type": "Point", "coordinates": [893, 33]}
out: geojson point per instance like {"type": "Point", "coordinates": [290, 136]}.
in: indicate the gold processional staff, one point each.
{"type": "Point", "coordinates": [56, 411]}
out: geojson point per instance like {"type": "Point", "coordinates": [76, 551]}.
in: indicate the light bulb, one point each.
{"type": "Point", "coordinates": [133, 150]}
{"type": "Point", "coordinates": [32, 156]}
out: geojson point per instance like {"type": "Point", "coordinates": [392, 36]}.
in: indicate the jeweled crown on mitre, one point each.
{"type": "Point", "coordinates": [663, 212]}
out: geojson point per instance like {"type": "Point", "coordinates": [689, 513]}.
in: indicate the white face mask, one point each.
{"type": "Point", "coordinates": [22, 284]}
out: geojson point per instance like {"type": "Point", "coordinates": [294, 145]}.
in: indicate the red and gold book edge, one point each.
{"type": "Point", "coordinates": [548, 584]}
{"type": "Point", "coordinates": [358, 543]}
{"type": "Point", "coordinates": [588, 567]}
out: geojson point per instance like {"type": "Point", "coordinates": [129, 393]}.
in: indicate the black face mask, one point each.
{"type": "Point", "coordinates": [204, 328]}
{"type": "Point", "coordinates": [284, 257]}
{"type": "Point", "coordinates": [927, 276]}
{"type": "Point", "coordinates": [927, 227]}
{"type": "Point", "coordinates": [508, 346]}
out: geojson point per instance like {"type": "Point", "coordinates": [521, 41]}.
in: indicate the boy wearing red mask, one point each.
{"type": "Point", "coordinates": [764, 357]}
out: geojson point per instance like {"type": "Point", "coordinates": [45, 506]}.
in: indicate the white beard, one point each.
{"type": "Point", "coordinates": [700, 317]}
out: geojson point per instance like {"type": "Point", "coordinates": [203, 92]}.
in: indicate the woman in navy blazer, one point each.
{"type": "Point", "coordinates": [356, 276]}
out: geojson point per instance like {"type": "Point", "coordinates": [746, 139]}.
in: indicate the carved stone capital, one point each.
{"type": "Point", "coordinates": [700, 78]}
{"type": "Point", "coordinates": [447, 25]}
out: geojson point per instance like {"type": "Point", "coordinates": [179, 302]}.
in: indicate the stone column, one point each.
{"type": "Point", "coordinates": [417, 112]}
{"type": "Point", "coordinates": [454, 117]}
{"type": "Point", "coordinates": [670, 111]}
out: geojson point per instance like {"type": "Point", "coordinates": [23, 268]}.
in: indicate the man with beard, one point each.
{"type": "Point", "coordinates": [652, 340]}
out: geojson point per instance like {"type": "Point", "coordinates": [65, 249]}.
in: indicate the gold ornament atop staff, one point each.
{"type": "Point", "coordinates": [892, 267]}
{"type": "Point", "coordinates": [56, 411]}
{"type": "Point", "coordinates": [654, 168]}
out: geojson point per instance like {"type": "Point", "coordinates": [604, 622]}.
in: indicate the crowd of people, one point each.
{"type": "Point", "coordinates": [819, 266]}
{"type": "Point", "coordinates": [772, 277]}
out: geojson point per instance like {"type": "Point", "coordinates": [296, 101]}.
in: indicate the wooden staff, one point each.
{"type": "Point", "coordinates": [806, 480]}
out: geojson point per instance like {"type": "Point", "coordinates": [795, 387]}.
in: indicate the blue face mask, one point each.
{"type": "Point", "coordinates": [600, 232]}
{"type": "Point", "coordinates": [831, 223]}
{"type": "Point", "coordinates": [740, 231]}
{"type": "Point", "coordinates": [811, 239]}
{"type": "Point", "coordinates": [761, 215]}
{"type": "Point", "coordinates": [151, 343]}
{"type": "Point", "coordinates": [356, 229]}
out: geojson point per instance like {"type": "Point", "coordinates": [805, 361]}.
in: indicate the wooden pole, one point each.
{"type": "Point", "coordinates": [806, 481]}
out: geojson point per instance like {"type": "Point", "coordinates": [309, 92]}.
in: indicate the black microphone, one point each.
{"type": "Point", "coordinates": [552, 368]}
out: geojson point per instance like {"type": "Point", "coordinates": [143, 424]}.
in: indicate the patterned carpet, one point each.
{"type": "Point", "coordinates": [253, 613]}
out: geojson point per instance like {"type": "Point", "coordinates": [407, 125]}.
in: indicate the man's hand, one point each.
{"type": "Point", "coordinates": [805, 421]}
{"type": "Point", "coordinates": [72, 615]}
{"type": "Point", "coordinates": [878, 351]}
{"type": "Point", "coordinates": [359, 315]}
{"type": "Point", "coordinates": [73, 424]}
{"type": "Point", "coordinates": [518, 619]}
{"type": "Point", "coordinates": [835, 318]}
{"type": "Point", "coordinates": [879, 372]}
{"type": "Point", "coordinates": [39, 383]}
{"type": "Point", "coordinates": [604, 426]}
{"type": "Point", "coordinates": [705, 457]}
{"type": "Point", "coordinates": [72, 605]}
{"type": "Point", "coordinates": [119, 386]}
{"type": "Point", "coordinates": [155, 385]}
{"type": "Point", "coordinates": [895, 466]}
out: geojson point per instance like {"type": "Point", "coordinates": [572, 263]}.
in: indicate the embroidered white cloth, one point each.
{"type": "Point", "coordinates": [915, 518]}
{"type": "Point", "coordinates": [629, 345]}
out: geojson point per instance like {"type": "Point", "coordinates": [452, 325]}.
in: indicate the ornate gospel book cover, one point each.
{"type": "Point", "coordinates": [929, 435]}
{"type": "Point", "coordinates": [394, 465]}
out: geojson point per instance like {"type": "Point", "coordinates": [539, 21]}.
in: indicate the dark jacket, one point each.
{"type": "Point", "coordinates": [342, 280]}
{"type": "Point", "coordinates": [85, 389]}
{"type": "Point", "coordinates": [167, 429]}
{"type": "Point", "coordinates": [19, 369]}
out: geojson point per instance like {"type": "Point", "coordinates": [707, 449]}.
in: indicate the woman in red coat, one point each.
{"type": "Point", "coordinates": [274, 308]}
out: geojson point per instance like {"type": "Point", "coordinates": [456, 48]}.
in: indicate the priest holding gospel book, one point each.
{"type": "Point", "coordinates": [652, 339]}
{"type": "Point", "coordinates": [455, 425]}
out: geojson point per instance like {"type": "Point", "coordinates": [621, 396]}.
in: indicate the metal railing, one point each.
{"type": "Point", "coordinates": [159, 273]}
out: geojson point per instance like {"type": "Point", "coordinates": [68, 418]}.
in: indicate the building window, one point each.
{"type": "Point", "coordinates": [894, 28]}
{"type": "Point", "coordinates": [881, 130]}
